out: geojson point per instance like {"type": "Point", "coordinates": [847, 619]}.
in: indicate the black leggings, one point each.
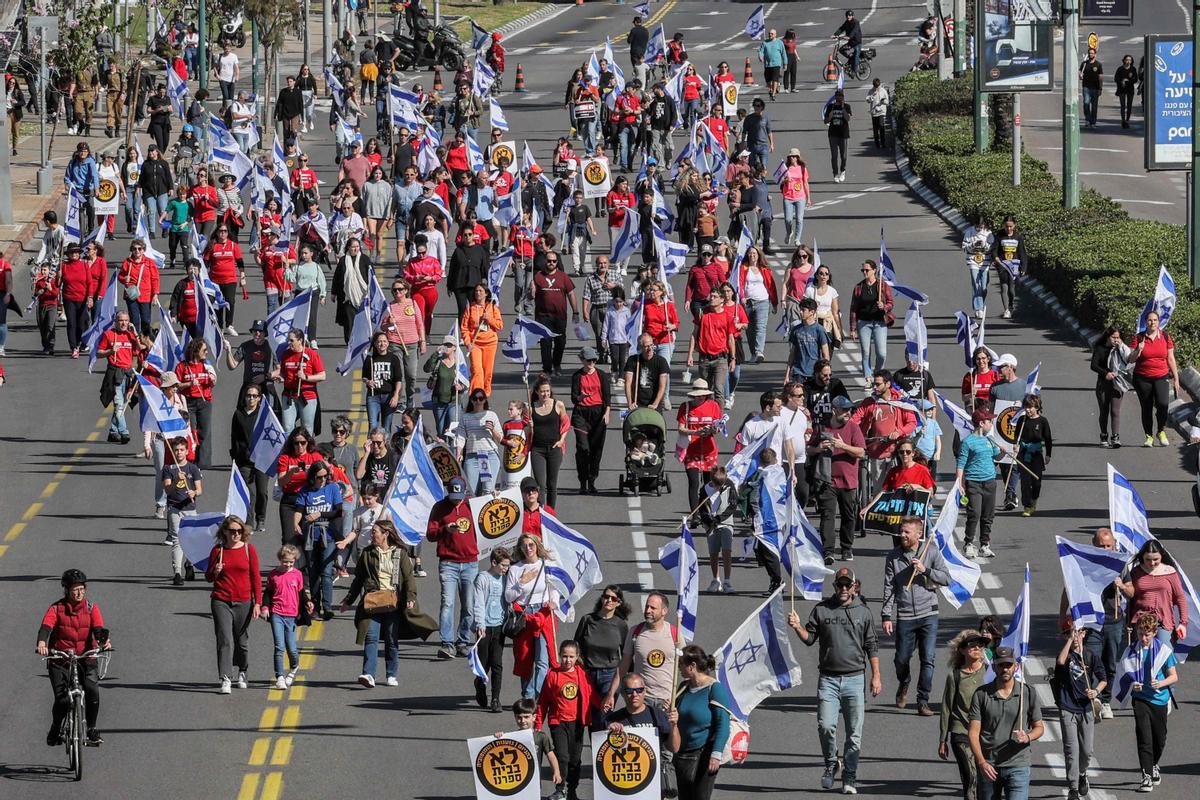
{"type": "Point", "coordinates": [60, 682]}
{"type": "Point", "coordinates": [1110, 409]}
{"type": "Point", "coordinates": [225, 315]}
{"type": "Point", "coordinates": [178, 240]}
{"type": "Point", "coordinates": [1150, 721]}
{"type": "Point", "coordinates": [1031, 486]}
{"type": "Point", "coordinates": [491, 655]}
{"type": "Point", "coordinates": [77, 315]}
{"type": "Point", "coordinates": [1126, 106]}
{"type": "Point", "coordinates": [590, 432]}
{"type": "Point", "coordinates": [546, 462]}
{"type": "Point", "coordinates": [789, 71]}
{"type": "Point", "coordinates": [1153, 394]}
{"type": "Point", "coordinates": [837, 154]}
{"type": "Point", "coordinates": [696, 479]}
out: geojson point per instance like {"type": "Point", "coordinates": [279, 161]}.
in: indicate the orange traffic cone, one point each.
{"type": "Point", "coordinates": [578, 2]}
{"type": "Point", "coordinates": [831, 70]}
{"type": "Point", "coordinates": [519, 83]}
{"type": "Point", "coordinates": [437, 80]}
{"type": "Point", "coordinates": [748, 78]}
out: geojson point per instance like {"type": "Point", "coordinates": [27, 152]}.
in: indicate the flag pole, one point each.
{"type": "Point", "coordinates": [1016, 455]}
{"type": "Point", "coordinates": [791, 541]}
{"type": "Point", "coordinates": [912, 575]}
{"type": "Point", "coordinates": [675, 638]}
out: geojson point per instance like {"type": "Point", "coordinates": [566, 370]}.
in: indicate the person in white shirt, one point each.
{"type": "Point", "coordinates": [229, 71]}
{"type": "Point", "coordinates": [768, 420]}
{"type": "Point", "coordinates": [243, 121]}
{"type": "Point", "coordinates": [795, 420]}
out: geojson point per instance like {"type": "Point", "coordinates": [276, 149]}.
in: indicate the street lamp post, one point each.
{"type": "Point", "coordinates": [202, 50]}
{"type": "Point", "coordinates": [1070, 140]}
{"type": "Point", "coordinates": [960, 38]}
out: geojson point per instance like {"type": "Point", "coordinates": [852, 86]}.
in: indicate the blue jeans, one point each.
{"type": "Point", "coordinates": [480, 470]}
{"type": "Point", "coordinates": [189, 58]}
{"type": "Point", "coordinates": [1107, 646]}
{"type": "Point", "coordinates": [793, 219]}
{"type": "Point", "coordinates": [628, 139]}
{"type": "Point", "coordinates": [117, 423]}
{"type": "Point", "coordinates": [1091, 104]}
{"type": "Point", "coordinates": [845, 695]}
{"type": "Point", "coordinates": [387, 626]}
{"type": "Point", "coordinates": [979, 286]}
{"type": "Point", "coordinates": [272, 302]}
{"type": "Point", "coordinates": [1012, 783]}
{"type": "Point", "coordinates": [379, 411]}
{"type": "Point", "coordinates": [541, 666]}
{"type": "Point", "coordinates": [759, 311]}
{"type": "Point", "coordinates": [759, 155]}
{"type": "Point", "coordinates": [919, 635]}
{"type": "Point", "coordinates": [243, 141]}
{"type": "Point", "coordinates": [156, 204]}
{"type": "Point", "coordinates": [443, 415]}
{"type": "Point", "coordinates": [872, 339]}
{"type": "Point", "coordinates": [284, 631]}
{"type": "Point", "coordinates": [691, 110]}
{"type": "Point", "coordinates": [139, 315]}
{"type": "Point", "coordinates": [303, 410]}
{"type": "Point", "coordinates": [587, 129]}
{"type": "Point", "coordinates": [320, 570]}
{"type": "Point", "coordinates": [458, 585]}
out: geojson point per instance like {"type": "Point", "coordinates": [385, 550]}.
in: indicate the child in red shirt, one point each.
{"type": "Point", "coordinates": [565, 703]}
{"type": "Point", "coordinates": [46, 289]}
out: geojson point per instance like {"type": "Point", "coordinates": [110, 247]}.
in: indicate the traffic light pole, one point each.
{"type": "Point", "coordinates": [202, 50]}
{"type": "Point", "coordinates": [960, 38]}
{"type": "Point", "coordinates": [1070, 140]}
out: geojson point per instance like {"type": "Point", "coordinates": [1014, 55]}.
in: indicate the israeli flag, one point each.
{"type": "Point", "coordinates": [141, 231]}
{"type": "Point", "coordinates": [485, 76]}
{"type": "Point", "coordinates": [475, 155]}
{"type": "Point", "coordinates": [166, 351]}
{"type": "Point", "coordinates": [672, 256]}
{"type": "Point", "coordinates": [657, 47]}
{"type": "Point", "coordinates": [1131, 668]}
{"type": "Point", "coordinates": [360, 339]}
{"type": "Point", "coordinates": [628, 240]}
{"type": "Point", "coordinates": [1126, 513]}
{"type": "Point", "coordinates": [237, 500]}
{"type": "Point", "coordinates": [479, 36]}
{"type": "Point", "coordinates": [618, 75]}
{"type": "Point", "coordinates": [220, 135]}
{"type": "Point", "coordinates": [427, 162]}
{"type": "Point", "coordinates": [235, 162]}
{"type": "Point", "coordinates": [745, 242]}
{"type": "Point", "coordinates": [1017, 635]}
{"type": "Point", "coordinates": [575, 568]}
{"type": "Point", "coordinates": [678, 557]}
{"type": "Point", "coordinates": [415, 488]}
{"type": "Point", "coordinates": [266, 440]}
{"type": "Point", "coordinates": [756, 24]}
{"type": "Point", "coordinates": [71, 225]}
{"type": "Point", "coordinates": [206, 323]}
{"type": "Point", "coordinates": [1163, 301]}
{"type": "Point", "coordinates": [964, 573]}
{"type": "Point", "coordinates": [498, 269]}
{"type": "Point", "coordinates": [462, 370]}
{"type": "Point", "coordinates": [633, 327]}
{"type": "Point", "coordinates": [198, 536]}
{"type": "Point", "coordinates": [335, 88]}
{"type": "Point", "coordinates": [758, 659]}
{"type": "Point", "coordinates": [641, 10]}
{"type": "Point", "coordinates": [98, 236]}
{"type": "Point", "coordinates": [292, 314]}
{"type": "Point", "coordinates": [593, 68]}
{"type": "Point", "coordinates": [744, 462]}
{"type": "Point", "coordinates": [209, 287]}
{"type": "Point", "coordinates": [508, 210]}
{"type": "Point", "coordinates": [477, 668]}
{"type": "Point", "coordinates": [1031, 382]}
{"type": "Point", "coordinates": [1087, 572]}
{"type": "Point", "coordinates": [178, 92]}
{"type": "Point", "coordinates": [959, 418]}
{"type": "Point", "coordinates": [440, 204]}
{"type": "Point", "coordinates": [674, 86]}
{"type": "Point", "coordinates": [965, 336]}
{"type": "Point", "coordinates": [521, 336]}
{"type": "Point", "coordinates": [158, 414]}
{"type": "Point", "coordinates": [916, 338]}
{"type": "Point", "coordinates": [497, 115]}
{"type": "Point", "coordinates": [163, 29]}
{"type": "Point", "coordinates": [105, 317]}
{"type": "Point", "coordinates": [784, 529]}
{"type": "Point", "coordinates": [1184, 646]}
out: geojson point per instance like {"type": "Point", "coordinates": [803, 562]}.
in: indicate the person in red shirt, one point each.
{"type": "Point", "coordinates": [1153, 360]}
{"type": "Point", "coordinates": [618, 200]}
{"type": "Point", "coordinates": [885, 418]}
{"type": "Point", "coordinates": [236, 598]}
{"type": "Point", "coordinates": [977, 384]}
{"type": "Point", "coordinates": [274, 260]}
{"type": "Point", "coordinates": [93, 255]}
{"type": "Point", "coordinates": [141, 272]}
{"type": "Point", "coordinates": [627, 113]}
{"type": "Point", "coordinates": [122, 347]}
{"type": "Point", "coordinates": [75, 279]}
{"type": "Point", "coordinates": [717, 125]}
{"type": "Point", "coordinates": [300, 369]}
{"type": "Point", "coordinates": [47, 290]}
{"type": "Point", "coordinates": [712, 345]}
{"type": "Point", "coordinates": [305, 184]}
{"type": "Point", "coordinates": [495, 58]}
{"type": "Point", "coordinates": [591, 395]}
{"type": "Point", "coordinates": [704, 276]}
{"type": "Point", "coordinates": [452, 527]}
{"type": "Point", "coordinates": [183, 300]}
{"type": "Point", "coordinates": [456, 157]}
{"type": "Point", "coordinates": [565, 704]}
{"type": "Point", "coordinates": [227, 270]}
{"type": "Point", "coordinates": [693, 85]}
{"type": "Point", "coordinates": [423, 272]}
{"type": "Point", "coordinates": [203, 197]}
{"type": "Point", "coordinates": [697, 419]}
{"type": "Point", "coordinates": [6, 287]}
{"type": "Point", "coordinates": [298, 454]}
{"type": "Point", "coordinates": [907, 473]}
{"type": "Point", "coordinates": [196, 380]}
{"type": "Point", "coordinates": [739, 322]}
{"type": "Point", "coordinates": [73, 624]}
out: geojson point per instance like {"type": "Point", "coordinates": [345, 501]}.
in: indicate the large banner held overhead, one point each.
{"type": "Point", "coordinates": [497, 519]}
{"type": "Point", "coordinates": [505, 767]}
{"type": "Point", "coordinates": [626, 764]}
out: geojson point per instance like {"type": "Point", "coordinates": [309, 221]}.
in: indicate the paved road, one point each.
{"type": "Point", "coordinates": [69, 499]}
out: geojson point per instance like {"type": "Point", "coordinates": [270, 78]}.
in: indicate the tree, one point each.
{"type": "Point", "coordinates": [78, 23]}
{"type": "Point", "coordinates": [274, 19]}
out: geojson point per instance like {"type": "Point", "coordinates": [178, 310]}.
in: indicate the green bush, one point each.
{"type": "Point", "coordinates": [1097, 261]}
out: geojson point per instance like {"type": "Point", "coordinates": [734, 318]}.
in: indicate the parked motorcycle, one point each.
{"type": "Point", "coordinates": [442, 48]}
{"type": "Point", "coordinates": [233, 31]}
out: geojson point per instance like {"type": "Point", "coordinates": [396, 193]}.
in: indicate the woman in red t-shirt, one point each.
{"type": "Point", "coordinates": [196, 380]}
{"type": "Point", "coordinates": [697, 449]}
{"type": "Point", "coordinates": [300, 369]}
{"type": "Point", "coordinates": [298, 454]}
{"type": "Point", "coordinates": [618, 199]}
{"type": "Point", "coordinates": [1153, 360]}
{"type": "Point", "coordinates": [907, 473]}
{"type": "Point", "coordinates": [660, 322]}
{"type": "Point", "coordinates": [693, 85]}
{"type": "Point", "coordinates": [203, 197]}
{"type": "Point", "coordinates": [977, 384]}
{"type": "Point", "coordinates": [739, 322]}
{"type": "Point", "coordinates": [236, 598]}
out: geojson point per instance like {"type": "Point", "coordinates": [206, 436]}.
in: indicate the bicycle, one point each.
{"type": "Point", "coordinates": [843, 54]}
{"type": "Point", "coordinates": [74, 726]}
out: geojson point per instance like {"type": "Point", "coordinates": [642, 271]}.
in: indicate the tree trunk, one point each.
{"type": "Point", "coordinates": [1001, 106]}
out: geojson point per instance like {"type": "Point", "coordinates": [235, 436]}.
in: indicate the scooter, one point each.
{"type": "Point", "coordinates": [232, 31]}
{"type": "Point", "coordinates": [443, 48]}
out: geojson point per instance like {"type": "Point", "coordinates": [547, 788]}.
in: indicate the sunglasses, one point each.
{"type": "Point", "coordinates": [321, 475]}
{"type": "Point", "coordinates": [377, 441]}
{"type": "Point", "coordinates": [865, 270]}
{"type": "Point", "coordinates": [253, 394]}
{"type": "Point", "coordinates": [610, 598]}
{"type": "Point", "coordinates": [137, 247]}
{"type": "Point", "coordinates": [299, 441]}
{"type": "Point", "coordinates": [238, 531]}
{"type": "Point", "coordinates": [634, 690]}
{"type": "Point", "coordinates": [340, 430]}
{"type": "Point", "coordinates": [905, 452]}
{"type": "Point", "coordinates": [797, 396]}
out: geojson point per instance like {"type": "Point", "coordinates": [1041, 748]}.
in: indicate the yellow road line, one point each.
{"type": "Point", "coordinates": [258, 753]}
{"type": "Point", "coordinates": [315, 631]}
{"type": "Point", "coordinates": [650, 23]}
{"type": "Point", "coordinates": [272, 786]}
{"type": "Point", "coordinates": [297, 694]}
{"type": "Point", "coordinates": [291, 718]}
{"type": "Point", "coordinates": [269, 719]}
{"type": "Point", "coordinates": [14, 531]}
{"type": "Point", "coordinates": [307, 660]}
{"type": "Point", "coordinates": [94, 436]}
{"type": "Point", "coordinates": [282, 754]}
{"type": "Point", "coordinates": [31, 512]}
{"type": "Point", "coordinates": [249, 790]}
{"type": "Point", "coordinates": [50, 489]}
{"type": "Point", "coordinates": [3, 549]}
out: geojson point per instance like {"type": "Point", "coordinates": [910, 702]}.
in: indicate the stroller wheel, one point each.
{"type": "Point", "coordinates": [666, 482]}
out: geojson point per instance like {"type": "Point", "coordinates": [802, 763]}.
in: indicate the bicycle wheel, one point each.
{"type": "Point", "coordinates": [864, 70]}
{"type": "Point", "coordinates": [75, 742]}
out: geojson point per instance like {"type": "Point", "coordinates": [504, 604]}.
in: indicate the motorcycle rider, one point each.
{"type": "Point", "coordinates": [853, 33]}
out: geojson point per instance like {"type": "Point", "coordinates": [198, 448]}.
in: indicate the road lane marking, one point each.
{"type": "Point", "coordinates": [989, 581]}
{"type": "Point", "coordinates": [269, 719]}
{"type": "Point", "coordinates": [282, 754]}
{"type": "Point", "coordinates": [272, 786]}
{"type": "Point", "coordinates": [258, 753]}
{"type": "Point", "coordinates": [249, 790]}
{"type": "Point", "coordinates": [1003, 606]}
{"type": "Point", "coordinates": [980, 605]}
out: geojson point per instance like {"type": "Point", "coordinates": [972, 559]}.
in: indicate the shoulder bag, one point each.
{"type": "Point", "coordinates": [514, 619]}
{"type": "Point", "coordinates": [133, 291]}
{"type": "Point", "coordinates": [384, 601]}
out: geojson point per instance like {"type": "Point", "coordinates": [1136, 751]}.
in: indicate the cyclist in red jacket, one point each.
{"type": "Point", "coordinates": [73, 625]}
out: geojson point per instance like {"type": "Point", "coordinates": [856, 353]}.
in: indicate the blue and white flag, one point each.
{"type": "Point", "coordinates": [1031, 381]}
{"type": "Point", "coordinates": [208, 286]}
{"type": "Point", "coordinates": [1163, 301]}
{"type": "Point", "coordinates": [415, 488]}
{"type": "Point", "coordinates": [164, 30]}
{"type": "Point", "coordinates": [485, 76]}
{"type": "Point", "coordinates": [158, 413]}
{"type": "Point", "coordinates": [642, 10]}
{"type": "Point", "coordinates": [497, 115]}
{"type": "Point", "coordinates": [141, 231]}
{"type": "Point", "coordinates": [959, 418]}
{"type": "Point", "coordinates": [965, 336]}
{"type": "Point", "coordinates": [292, 314]}
{"type": "Point", "coordinates": [71, 224]}
{"type": "Point", "coordinates": [758, 659]}
{"type": "Point", "coordinates": [437, 202]}
{"type": "Point", "coordinates": [916, 338]}
{"type": "Point", "coordinates": [1087, 572]}
{"type": "Point", "coordinates": [220, 135]}
{"type": "Point", "coordinates": [633, 326]}
{"type": "Point", "coordinates": [1184, 646]}
{"type": "Point", "coordinates": [178, 92]}
{"type": "Point", "coordinates": [575, 567]}
{"type": "Point", "coordinates": [1132, 668]}
{"type": "Point", "coordinates": [475, 155]}
{"type": "Point", "coordinates": [672, 256]}
{"type": "Point", "coordinates": [198, 535]}
{"type": "Point", "coordinates": [523, 334]}
{"type": "Point", "coordinates": [656, 48]}
{"type": "Point", "coordinates": [1126, 513]}
{"type": "Point", "coordinates": [784, 529]}
{"type": "Point", "coordinates": [678, 557]}
{"type": "Point", "coordinates": [335, 88]}
{"type": "Point", "coordinates": [104, 318]}
{"type": "Point", "coordinates": [745, 242]}
{"type": "Point", "coordinates": [166, 351]}
{"type": "Point", "coordinates": [235, 162]}
{"type": "Point", "coordinates": [427, 162]}
{"type": "Point", "coordinates": [628, 239]}
{"type": "Point", "coordinates": [498, 269]}
{"type": "Point", "coordinates": [508, 209]}
{"type": "Point", "coordinates": [267, 440]}
{"type": "Point", "coordinates": [477, 667]}
{"type": "Point", "coordinates": [237, 500]}
{"type": "Point", "coordinates": [756, 24]}
{"type": "Point", "coordinates": [206, 323]}
{"type": "Point", "coordinates": [887, 271]}
{"type": "Point", "coordinates": [593, 68]}
{"type": "Point", "coordinates": [279, 158]}
{"type": "Point", "coordinates": [1017, 635]}
{"type": "Point", "coordinates": [462, 369]}
{"type": "Point", "coordinates": [360, 339]}
{"type": "Point", "coordinates": [744, 462]}
{"type": "Point", "coordinates": [479, 37]}
{"type": "Point", "coordinates": [964, 573]}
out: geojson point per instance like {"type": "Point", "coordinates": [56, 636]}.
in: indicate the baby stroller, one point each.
{"type": "Point", "coordinates": [644, 469]}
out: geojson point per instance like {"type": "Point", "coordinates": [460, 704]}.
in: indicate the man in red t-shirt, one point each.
{"type": "Point", "coordinates": [122, 347]}
{"type": "Point", "coordinates": [552, 290]}
{"type": "Point", "coordinates": [223, 257]}
{"type": "Point", "coordinates": [452, 527]}
{"type": "Point", "coordinates": [712, 344]}
{"type": "Point", "coordinates": [628, 114]}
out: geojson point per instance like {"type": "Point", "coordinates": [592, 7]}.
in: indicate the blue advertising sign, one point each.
{"type": "Point", "coordinates": [1169, 102]}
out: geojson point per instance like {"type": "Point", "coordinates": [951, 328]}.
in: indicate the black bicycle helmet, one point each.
{"type": "Point", "coordinates": [73, 577]}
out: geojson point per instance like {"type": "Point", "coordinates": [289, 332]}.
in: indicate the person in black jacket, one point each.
{"type": "Point", "coordinates": [1008, 254]}
{"type": "Point", "coordinates": [1109, 387]}
{"type": "Point", "coordinates": [662, 114]}
{"type": "Point", "coordinates": [1126, 80]}
{"type": "Point", "coordinates": [467, 269]}
{"type": "Point", "coordinates": [591, 395]}
{"type": "Point", "coordinates": [155, 183]}
{"type": "Point", "coordinates": [351, 277]}
{"type": "Point", "coordinates": [241, 432]}
{"type": "Point", "coordinates": [289, 107]}
{"type": "Point", "coordinates": [639, 40]}
{"type": "Point", "coordinates": [159, 106]}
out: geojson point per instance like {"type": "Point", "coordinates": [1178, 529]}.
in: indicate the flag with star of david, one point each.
{"type": "Point", "coordinates": [158, 414]}
{"type": "Point", "coordinates": [415, 488]}
{"type": "Point", "coordinates": [575, 569]}
{"type": "Point", "coordinates": [758, 659]}
{"type": "Point", "coordinates": [678, 557]}
{"type": "Point", "coordinates": [292, 314]}
{"type": "Point", "coordinates": [266, 441]}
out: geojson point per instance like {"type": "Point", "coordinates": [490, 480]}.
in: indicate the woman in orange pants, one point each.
{"type": "Point", "coordinates": [481, 324]}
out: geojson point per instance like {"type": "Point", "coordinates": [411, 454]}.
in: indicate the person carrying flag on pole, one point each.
{"type": "Point", "coordinates": [1006, 718]}
{"type": "Point", "coordinates": [1145, 676]}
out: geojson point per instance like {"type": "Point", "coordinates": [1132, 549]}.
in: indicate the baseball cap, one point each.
{"type": "Point", "coordinates": [456, 489]}
{"type": "Point", "coordinates": [1003, 655]}
{"type": "Point", "coordinates": [448, 339]}
{"type": "Point", "coordinates": [651, 160]}
{"type": "Point", "coordinates": [1006, 360]}
{"type": "Point", "coordinates": [744, 154]}
{"type": "Point", "coordinates": [258, 325]}
{"type": "Point", "coordinates": [169, 379]}
{"type": "Point", "coordinates": [428, 185]}
{"type": "Point", "coordinates": [981, 415]}
{"type": "Point", "coordinates": [924, 405]}
{"type": "Point", "coordinates": [589, 354]}
{"type": "Point", "coordinates": [529, 485]}
{"type": "Point", "coordinates": [843, 402]}
{"type": "Point", "coordinates": [706, 249]}
{"type": "Point", "coordinates": [844, 575]}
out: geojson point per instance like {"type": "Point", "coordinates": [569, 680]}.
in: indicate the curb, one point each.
{"type": "Point", "coordinates": [1179, 412]}
{"type": "Point", "coordinates": [547, 11]}
{"type": "Point", "coordinates": [29, 230]}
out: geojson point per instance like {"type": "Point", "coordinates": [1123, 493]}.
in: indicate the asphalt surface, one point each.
{"type": "Point", "coordinates": [69, 499]}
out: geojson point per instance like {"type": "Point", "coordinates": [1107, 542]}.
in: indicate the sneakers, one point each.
{"type": "Point", "coordinates": [1083, 787]}
{"type": "Point", "coordinates": [230, 331]}
{"type": "Point", "coordinates": [1007, 314]}
{"type": "Point", "coordinates": [75, 353]}
{"type": "Point", "coordinates": [420, 572]}
{"type": "Point", "coordinates": [759, 358]}
{"type": "Point", "coordinates": [495, 706]}
{"type": "Point", "coordinates": [1028, 512]}
{"type": "Point", "coordinates": [391, 681]}
{"type": "Point", "coordinates": [1105, 711]}
{"type": "Point", "coordinates": [828, 776]}
{"type": "Point", "coordinates": [728, 404]}
{"type": "Point", "coordinates": [847, 554]}
{"type": "Point", "coordinates": [727, 587]}
{"type": "Point", "coordinates": [1072, 793]}
{"type": "Point", "coordinates": [177, 580]}
{"type": "Point", "coordinates": [1104, 440]}
{"type": "Point", "coordinates": [189, 571]}
{"type": "Point", "coordinates": [849, 786]}
{"type": "Point", "coordinates": [290, 678]}
{"type": "Point", "coordinates": [225, 686]}
{"type": "Point", "coordinates": [1148, 443]}
{"type": "Point", "coordinates": [828, 559]}
{"type": "Point", "coordinates": [367, 680]}
{"type": "Point", "coordinates": [1147, 784]}
{"type": "Point", "coordinates": [1114, 441]}
{"type": "Point", "coordinates": [985, 551]}
{"type": "Point", "coordinates": [714, 586]}
{"type": "Point", "coordinates": [971, 552]}
{"type": "Point", "coordinates": [902, 696]}
{"type": "Point", "coordinates": [1155, 775]}
{"type": "Point", "coordinates": [93, 738]}
{"type": "Point", "coordinates": [160, 512]}
{"type": "Point", "coordinates": [1162, 439]}
{"type": "Point", "coordinates": [242, 680]}
{"type": "Point", "coordinates": [462, 650]}
{"type": "Point", "coordinates": [1010, 504]}
{"type": "Point", "coordinates": [281, 682]}
{"type": "Point", "coordinates": [445, 652]}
